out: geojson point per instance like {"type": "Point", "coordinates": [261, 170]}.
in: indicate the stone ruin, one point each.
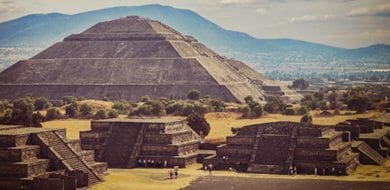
{"type": "Point", "coordinates": [276, 147]}
{"type": "Point", "coordinates": [44, 159]}
{"type": "Point", "coordinates": [128, 58]}
{"type": "Point", "coordinates": [369, 138]}
{"type": "Point", "coordinates": [129, 143]}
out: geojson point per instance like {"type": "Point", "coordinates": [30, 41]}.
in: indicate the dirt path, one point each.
{"type": "Point", "coordinates": [238, 183]}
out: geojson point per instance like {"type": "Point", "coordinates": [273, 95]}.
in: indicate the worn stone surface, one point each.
{"type": "Point", "coordinates": [126, 59]}
{"type": "Point", "coordinates": [125, 143]}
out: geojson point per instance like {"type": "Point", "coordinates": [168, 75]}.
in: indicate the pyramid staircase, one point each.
{"type": "Point", "coordinates": [66, 155]}
{"type": "Point", "coordinates": [291, 149]}
{"type": "Point", "coordinates": [136, 148]}
{"type": "Point", "coordinates": [371, 156]}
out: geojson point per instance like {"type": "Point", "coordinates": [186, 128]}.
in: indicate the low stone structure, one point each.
{"type": "Point", "coordinates": [128, 143]}
{"type": "Point", "coordinates": [40, 159]}
{"type": "Point", "coordinates": [370, 139]}
{"type": "Point", "coordinates": [281, 146]}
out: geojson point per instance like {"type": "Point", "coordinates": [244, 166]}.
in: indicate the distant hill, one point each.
{"type": "Point", "coordinates": [41, 30]}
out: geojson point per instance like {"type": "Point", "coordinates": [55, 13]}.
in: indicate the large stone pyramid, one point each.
{"type": "Point", "coordinates": [126, 59]}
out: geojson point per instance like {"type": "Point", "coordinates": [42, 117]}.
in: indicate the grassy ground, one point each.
{"type": "Point", "coordinates": [146, 178]}
{"type": "Point", "coordinates": [72, 126]}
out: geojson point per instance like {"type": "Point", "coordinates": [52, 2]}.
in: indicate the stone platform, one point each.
{"type": "Point", "coordinates": [277, 147]}
{"type": "Point", "coordinates": [128, 143]}
{"type": "Point", "coordinates": [40, 158]}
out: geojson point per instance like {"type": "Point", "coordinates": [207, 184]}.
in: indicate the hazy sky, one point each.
{"type": "Point", "coordinates": [342, 23]}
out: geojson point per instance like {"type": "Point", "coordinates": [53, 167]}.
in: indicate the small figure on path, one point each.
{"type": "Point", "coordinates": [170, 172]}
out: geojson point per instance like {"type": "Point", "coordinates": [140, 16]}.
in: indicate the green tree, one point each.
{"type": "Point", "coordinates": [53, 113]}
{"type": "Point", "coordinates": [122, 107]}
{"type": "Point", "coordinates": [258, 110]}
{"type": "Point", "coordinates": [193, 94]}
{"type": "Point", "coordinates": [248, 99]}
{"type": "Point", "coordinates": [199, 124]}
{"type": "Point", "coordinates": [217, 105]}
{"type": "Point", "coordinates": [145, 98]}
{"type": "Point", "coordinates": [86, 111]}
{"type": "Point", "coordinates": [6, 118]}
{"type": "Point", "coordinates": [289, 111]}
{"type": "Point", "coordinates": [300, 84]}
{"type": "Point", "coordinates": [245, 110]}
{"type": "Point", "coordinates": [22, 112]}
{"type": "Point", "coordinates": [37, 119]}
{"type": "Point", "coordinates": [274, 104]}
{"type": "Point", "coordinates": [158, 108]}
{"type": "Point", "coordinates": [113, 114]}
{"type": "Point", "coordinates": [145, 109]}
{"type": "Point", "coordinates": [101, 114]}
{"type": "Point", "coordinates": [72, 110]}
{"type": "Point", "coordinates": [68, 99]}
{"type": "Point", "coordinates": [307, 119]}
{"type": "Point", "coordinates": [302, 110]}
{"type": "Point", "coordinates": [41, 103]}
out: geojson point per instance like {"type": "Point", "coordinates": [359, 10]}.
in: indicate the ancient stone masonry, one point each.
{"type": "Point", "coordinates": [280, 146]}
{"type": "Point", "coordinates": [40, 159]}
{"type": "Point", "coordinates": [126, 59]}
{"type": "Point", "coordinates": [370, 139]}
{"type": "Point", "coordinates": [128, 143]}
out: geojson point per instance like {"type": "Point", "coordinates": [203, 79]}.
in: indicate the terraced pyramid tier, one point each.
{"type": "Point", "coordinates": [126, 59]}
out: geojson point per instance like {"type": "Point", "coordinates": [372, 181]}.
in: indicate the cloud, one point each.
{"type": "Point", "coordinates": [381, 10]}
{"type": "Point", "coordinates": [311, 18]}
{"type": "Point", "coordinates": [261, 11]}
{"type": "Point", "coordinates": [232, 2]}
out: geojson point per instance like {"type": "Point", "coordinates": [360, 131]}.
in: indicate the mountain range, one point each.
{"type": "Point", "coordinates": [38, 31]}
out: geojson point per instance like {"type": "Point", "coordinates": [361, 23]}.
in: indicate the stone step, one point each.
{"type": "Point", "coordinates": [370, 153]}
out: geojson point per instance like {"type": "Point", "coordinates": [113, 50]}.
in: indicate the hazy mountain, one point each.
{"type": "Point", "coordinates": [41, 30]}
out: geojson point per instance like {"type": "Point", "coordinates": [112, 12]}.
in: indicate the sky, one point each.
{"type": "Point", "coordinates": [340, 23]}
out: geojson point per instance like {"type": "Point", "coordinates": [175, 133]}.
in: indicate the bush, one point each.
{"type": "Point", "coordinates": [193, 95]}
{"type": "Point", "coordinates": [145, 98]}
{"type": "Point", "coordinates": [307, 119]}
{"type": "Point", "coordinates": [158, 108]}
{"type": "Point", "coordinates": [199, 124]}
{"type": "Point", "coordinates": [248, 99]}
{"type": "Point", "coordinates": [302, 110]}
{"type": "Point", "coordinates": [122, 107]}
{"type": "Point", "coordinates": [187, 109]}
{"type": "Point", "coordinates": [258, 110]}
{"type": "Point", "coordinates": [86, 111]}
{"type": "Point", "coordinates": [41, 103]}
{"type": "Point", "coordinates": [245, 110]}
{"type": "Point", "coordinates": [145, 109]}
{"type": "Point", "coordinates": [290, 111]}
{"type": "Point", "coordinates": [101, 114]}
{"type": "Point", "coordinates": [337, 112]}
{"type": "Point", "coordinates": [274, 105]}
{"type": "Point", "coordinates": [53, 113]}
{"type": "Point", "coordinates": [37, 118]}
{"type": "Point", "coordinates": [72, 110]}
{"type": "Point", "coordinates": [23, 109]}
{"type": "Point", "coordinates": [113, 114]}
{"type": "Point", "coordinates": [68, 99]}
{"type": "Point", "coordinates": [6, 118]}
{"type": "Point", "coordinates": [217, 105]}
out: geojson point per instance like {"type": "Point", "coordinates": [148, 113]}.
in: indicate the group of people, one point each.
{"type": "Point", "coordinates": [208, 168]}
{"type": "Point", "coordinates": [173, 173]}
{"type": "Point", "coordinates": [150, 163]}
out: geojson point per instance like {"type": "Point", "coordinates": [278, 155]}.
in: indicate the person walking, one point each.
{"type": "Point", "coordinates": [170, 172]}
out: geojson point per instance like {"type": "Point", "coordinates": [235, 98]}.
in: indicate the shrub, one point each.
{"type": "Point", "coordinates": [302, 110]}
{"type": "Point", "coordinates": [158, 108]}
{"type": "Point", "coordinates": [85, 111]}
{"type": "Point", "coordinates": [217, 105]}
{"type": "Point", "coordinates": [193, 95]}
{"type": "Point", "coordinates": [112, 114]}
{"type": "Point", "coordinates": [145, 109]}
{"type": "Point", "coordinates": [101, 114]}
{"type": "Point", "coordinates": [289, 111]}
{"type": "Point", "coordinates": [68, 99]}
{"type": "Point", "coordinates": [248, 99]}
{"type": "Point", "coordinates": [337, 112]}
{"type": "Point", "coordinates": [41, 103]}
{"type": "Point", "coordinates": [145, 98]}
{"type": "Point", "coordinates": [307, 119]}
{"type": "Point", "coordinates": [53, 113]}
{"type": "Point", "coordinates": [37, 118]}
{"type": "Point", "coordinates": [258, 110]}
{"type": "Point", "coordinates": [72, 110]}
{"type": "Point", "coordinates": [245, 110]}
{"type": "Point", "coordinates": [23, 109]}
{"type": "Point", "coordinates": [122, 107]}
